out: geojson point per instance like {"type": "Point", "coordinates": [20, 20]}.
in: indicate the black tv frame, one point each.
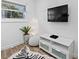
{"type": "Point", "coordinates": [64, 15]}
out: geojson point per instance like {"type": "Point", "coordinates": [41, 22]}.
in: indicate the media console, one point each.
{"type": "Point", "coordinates": [61, 48]}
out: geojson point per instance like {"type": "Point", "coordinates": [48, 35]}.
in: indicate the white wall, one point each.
{"type": "Point", "coordinates": [67, 29]}
{"type": "Point", "coordinates": [11, 35]}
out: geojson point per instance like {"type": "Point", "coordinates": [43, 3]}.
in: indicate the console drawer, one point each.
{"type": "Point", "coordinates": [44, 39]}
{"type": "Point", "coordinates": [46, 47]}
{"type": "Point", "coordinates": [59, 47]}
{"type": "Point", "coordinates": [59, 54]}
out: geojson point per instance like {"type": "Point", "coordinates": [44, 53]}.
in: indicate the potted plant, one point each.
{"type": "Point", "coordinates": [25, 30]}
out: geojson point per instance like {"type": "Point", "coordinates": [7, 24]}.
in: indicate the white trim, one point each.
{"type": "Point", "coordinates": [14, 2]}
{"type": "Point", "coordinates": [12, 20]}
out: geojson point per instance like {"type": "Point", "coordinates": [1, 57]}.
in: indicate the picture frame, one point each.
{"type": "Point", "coordinates": [12, 10]}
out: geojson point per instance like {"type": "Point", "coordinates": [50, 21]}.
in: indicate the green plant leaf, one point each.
{"type": "Point", "coordinates": [25, 29]}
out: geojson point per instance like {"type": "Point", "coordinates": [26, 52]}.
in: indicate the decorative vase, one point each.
{"type": "Point", "coordinates": [26, 39]}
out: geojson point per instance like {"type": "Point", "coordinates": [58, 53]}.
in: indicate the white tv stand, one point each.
{"type": "Point", "coordinates": [61, 48]}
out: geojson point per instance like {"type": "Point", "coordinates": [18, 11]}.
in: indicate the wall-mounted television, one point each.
{"type": "Point", "coordinates": [58, 14]}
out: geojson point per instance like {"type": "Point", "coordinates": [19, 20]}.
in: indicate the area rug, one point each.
{"type": "Point", "coordinates": [25, 53]}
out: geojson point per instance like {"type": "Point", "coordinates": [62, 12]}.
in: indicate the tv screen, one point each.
{"type": "Point", "coordinates": [58, 14]}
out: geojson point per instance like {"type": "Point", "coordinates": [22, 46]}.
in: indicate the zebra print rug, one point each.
{"type": "Point", "coordinates": [27, 54]}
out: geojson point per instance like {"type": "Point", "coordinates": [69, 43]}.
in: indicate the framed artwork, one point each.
{"type": "Point", "coordinates": [13, 10]}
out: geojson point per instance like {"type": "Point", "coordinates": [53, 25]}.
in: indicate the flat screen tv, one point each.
{"type": "Point", "coordinates": [58, 14]}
